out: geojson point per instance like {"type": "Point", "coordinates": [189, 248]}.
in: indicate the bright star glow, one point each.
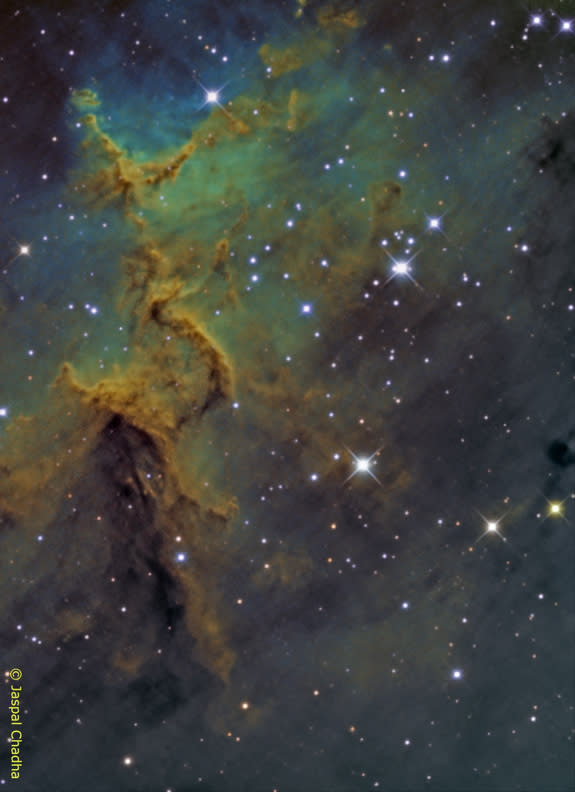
{"type": "Point", "coordinates": [435, 222]}
{"type": "Point", "coordinates": [363, 465]}
{"type": "Point", "coordinates": [402, 268]}
{"type": "Point", "coordinates": [23, 250]}
{"type": "Point", "coordinates": [536, 20]}
{"type": "Point", "coordinates": [211, 96]}
{"type": "Point", "coordinates": [457, 673]}
{"type": "Point", "coordinates": [555, 509]}
{"type": "Point", "coordinates": [491, 527]}
{"type": "Point", "coordinates": [566, 25]}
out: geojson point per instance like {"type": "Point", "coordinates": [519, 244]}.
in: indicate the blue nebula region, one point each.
{"type": "Point", "coordinates": [287, 438]}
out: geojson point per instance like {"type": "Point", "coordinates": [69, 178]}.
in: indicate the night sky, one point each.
{"type": "Point", "coordinates": [287, 405]}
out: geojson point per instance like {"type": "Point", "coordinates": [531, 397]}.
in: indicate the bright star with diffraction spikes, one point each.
{"type": "Point", "coordinates": [402, 268]}
{"type": "Point", "coordinates": [363, 465]}
{"type": "Point", "coordinates": [491, 527]}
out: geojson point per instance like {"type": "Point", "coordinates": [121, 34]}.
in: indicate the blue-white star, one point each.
{"type": "Point", "coordinates": [402, 268]}
{"type": "Point", "coordinates": [363, 465]}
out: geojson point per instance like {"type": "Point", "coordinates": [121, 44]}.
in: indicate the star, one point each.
{"type": "Point", "coordinates": [491, 527]}
{"type": "Point", "coordinates": [402, 268]}
{"type": "Point", "coordinates": [363, 465]}
{"type": "Point", "coordinates": [435, 223]}
{"type": "Point", "coordinates": [23, 250]}
{"type": "Point", "coordinates": [211, 95]}
{"type": "Point", "coordinates": [555, 509]}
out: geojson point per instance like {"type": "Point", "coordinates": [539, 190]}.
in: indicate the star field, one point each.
{"type": "Point", "coordinates": [287, 445]}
